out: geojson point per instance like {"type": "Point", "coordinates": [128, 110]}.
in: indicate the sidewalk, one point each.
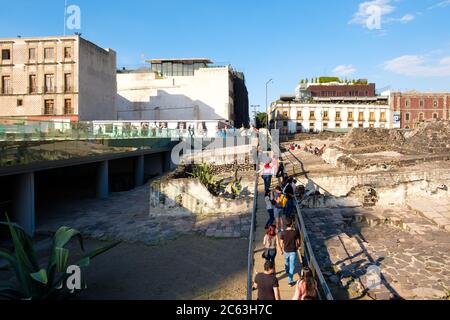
{"type": "Point", "coordinates": [262, 216]}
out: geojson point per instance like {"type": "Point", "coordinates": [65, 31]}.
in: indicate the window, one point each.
{"type": "Point", "coordinates": [338, 116]}
{"type": "Point", "coordinates": [19, 103]}
{"type": "Point", "coordinates": [32, 54]}
{"type": "Point", "coordinates": [6, 54]}
{"type": "Point", "coordinates": [167, 68]}
{"type": "Point", "coordinates": [407, 116]}
{"type": "Point", "coordinates": [350, 116]}
{"type": "Point", "coordinates": [299, 115]}
{"type": "Point", "coordinates": [67, 53]}
{"type": "Point", "coordinates": [68, 82]}
{"type": "Point", "coordinates": [312, 115]}
{"type": "Point", "coordinates": [338, 125]}
{"type": "Point", "coordinates": [435, 116]}
{"type": "Point", "coordinates": [421, 103]}
{"type": "Point", "coordinates": [421, 116]}
{"type": "Point", "coordinates": [372, 117]}
{"type": "Point", "coordinates": [361, 116]}
{"type": "Point", "coordinates": [49, 107]}
{"type": "Point", "coordinates": [49, 53]}
{"type": "Point", "coordinates": [383, 116]}
{"type": "Point", "coordinates": [6, 85]}
{"type": "Point", "coordinates": [325, 115]}
{"type": "Point", "coordinates": [436, 104]}
{"type": "Point", "coordinates": [68, 107]}
{"type": "Point", "coordinates": [285, 123]}
{"type": "Point", "coordinates": [32, 84]}
{"type": "Point", "coordinates": [350, 125]}
{"type": "Point", "coordinates": [285, 114]}
{"type": "Point", "coordinates": [49, 83]}
{"type": "Point", "coordinates": [407, 103]}
{"type": "Point", "coordinates": [325, 125]}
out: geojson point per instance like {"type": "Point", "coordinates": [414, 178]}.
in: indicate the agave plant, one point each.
{"type": "Point", "coordinates": [235, 186]}
{"type": "Point", "coordinates": [203, 172]}
{"type": "Point", "coordinates": [32, 281]}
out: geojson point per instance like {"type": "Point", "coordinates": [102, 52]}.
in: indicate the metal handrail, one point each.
{"type": "Point", "coordinates": [307, 253]}
{"type": "Point", "coordinates": [251, 244]}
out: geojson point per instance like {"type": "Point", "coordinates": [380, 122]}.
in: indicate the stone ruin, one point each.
{"type": "Point", "coordinates": [179, 194]}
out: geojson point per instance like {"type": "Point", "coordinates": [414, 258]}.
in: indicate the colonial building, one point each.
{"type": "Point", "coordinates": [183, 89]}
{"type": "Point", "coordinates": [336, 114]}
{"type": "Point", "coordinates": [57, 78]}
{"type": "Point", "coordinates": [413, 108]}
{"type": "Point", "coordinates": [331, 104]}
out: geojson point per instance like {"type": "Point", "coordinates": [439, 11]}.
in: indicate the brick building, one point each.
{"type": "Point", "coordinates": [350, 90]}
{"type": "Point", "coordinates": [415, 107]}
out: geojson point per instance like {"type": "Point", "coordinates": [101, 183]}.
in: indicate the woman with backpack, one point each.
{"type": "Point", "coordinates": [306, 288]}
{"type": "Point", "coordinates": [270, 244]}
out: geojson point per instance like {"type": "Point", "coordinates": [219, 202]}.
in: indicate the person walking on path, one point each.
{"type": "Point", "coordinates": [267, 284]}
{"type": "Point", "coordinates": [278, 209]}
{"type": "Point", "coordinates": [289, 192]}
{"type": "Point", "coordinates": [267, 174]}
{"type": "Point", "coordinates": [289, 245]}
{"type": "Point", "coordinates": [270, 208]}
{"type": "Point", "coordinates": [306, 288]}
{"type": "Point", "coordinates": [270, 244]}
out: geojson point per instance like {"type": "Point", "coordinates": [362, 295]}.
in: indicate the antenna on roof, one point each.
{"type": "Point", "coordinates": [65, 13]}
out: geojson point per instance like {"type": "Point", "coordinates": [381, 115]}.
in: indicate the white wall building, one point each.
{"type": "Point", "coordinates": [176, 89]}
{"type": "Point", "coordinates": [327, 114]}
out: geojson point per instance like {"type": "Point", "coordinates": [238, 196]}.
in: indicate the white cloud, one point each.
{"type": "Point", "coordinates": [406, 18]}
{"type": "Point", "coordinates": [343, 70]}
{"type": "Point", "coordinates": [441, 4]}
{"type": "Point", "coordinates": [445, 61]}
{"type": "Point", "coordinates": [372, 14]}
{"type": "Point", "coordinates": [419, 66]}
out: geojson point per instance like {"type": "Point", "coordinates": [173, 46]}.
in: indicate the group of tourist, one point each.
{"type": "Point", "coordinates": [281, 237]}
{"type": "Point", "coordinates": [309, 148]}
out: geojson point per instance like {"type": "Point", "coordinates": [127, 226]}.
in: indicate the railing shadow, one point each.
{"type": "Point", "coordinates": [317, 235]}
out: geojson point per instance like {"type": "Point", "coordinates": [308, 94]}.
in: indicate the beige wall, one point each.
{"type": "Point", "coordinates": [94, 60]}
{"type": "Point", "coordinates": [97, 82]}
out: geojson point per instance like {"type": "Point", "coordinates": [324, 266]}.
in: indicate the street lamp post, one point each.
{"type": "Point", "coordinates": [267, 102]}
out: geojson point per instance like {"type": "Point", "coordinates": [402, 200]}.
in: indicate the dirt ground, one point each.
{"type": "Point", "coordinates": [190, 268]}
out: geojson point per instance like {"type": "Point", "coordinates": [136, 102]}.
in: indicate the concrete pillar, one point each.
{"type": "Point", "coordinates": [24, 203]}
{"type": "Point", "coordinates": [139, 166]}
{"type": "Point", "coordinates": [167, 164]}
{"type": "Point", "coordinates": [103, 180]}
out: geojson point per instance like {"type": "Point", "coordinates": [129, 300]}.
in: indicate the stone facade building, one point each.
{"type": "Point", "coordinates": [414, 107]}
{"type": "Point", "coordinates": [53, 78]}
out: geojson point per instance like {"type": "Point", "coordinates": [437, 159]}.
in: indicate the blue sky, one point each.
{"type": "Point", "coordinates": [286, 40]}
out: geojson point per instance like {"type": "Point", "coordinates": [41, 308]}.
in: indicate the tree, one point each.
{"type": "Point", "coordinates": [261, 120]}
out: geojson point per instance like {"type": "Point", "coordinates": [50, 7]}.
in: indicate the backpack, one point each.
{"type": "Point", "coordinates": [283, 201]}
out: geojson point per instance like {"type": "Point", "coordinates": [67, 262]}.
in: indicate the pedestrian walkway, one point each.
{"type": "Point", "coordinates": [262, 216]}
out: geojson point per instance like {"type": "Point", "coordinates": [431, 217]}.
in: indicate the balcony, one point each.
{"type": "Point", "coordinates": [49, 89]}
{"type": "Point", "coordinates": [6, 91]}
{"type": "Point", "coordinates": [68, 89]}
